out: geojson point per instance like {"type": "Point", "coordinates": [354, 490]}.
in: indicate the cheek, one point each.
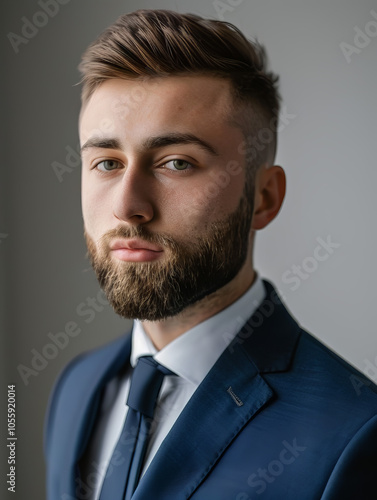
{"type": "Point", "coordinates": [218, 195]}
{"type": "Point", "coordinates": [192, 208]}
{"type": "Point", "coordinates": [94, 209]}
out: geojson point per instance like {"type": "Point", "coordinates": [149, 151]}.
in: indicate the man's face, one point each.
{"type": "Point", "coordinates": [166, 217]}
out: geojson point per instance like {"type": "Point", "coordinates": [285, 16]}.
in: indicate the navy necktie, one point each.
{"type": "Point", "coordinates": [128, 457]}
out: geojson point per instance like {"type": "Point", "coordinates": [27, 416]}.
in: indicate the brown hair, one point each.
{"type": "Point", "coordinates": [157, 43]}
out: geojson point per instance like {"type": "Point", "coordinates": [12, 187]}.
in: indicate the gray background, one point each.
{"type": "Point", "coordinates": [327, 150]}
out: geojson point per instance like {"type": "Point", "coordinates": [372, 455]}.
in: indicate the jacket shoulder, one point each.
{"type": "Point", "coordinates": [323, 361]}
{"type": "Point", "coordinates": [78, 373]}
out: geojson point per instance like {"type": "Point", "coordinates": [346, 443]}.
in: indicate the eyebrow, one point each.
{"type": "Point", "coordinates": [98, 142]}
{"type": "Point", "coordinates": [177, 139]}
{"type": "Point", "coordinates": [156, 142]}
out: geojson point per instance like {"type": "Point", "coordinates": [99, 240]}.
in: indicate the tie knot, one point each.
{"type": "Point", "coordinates": [146, 381]}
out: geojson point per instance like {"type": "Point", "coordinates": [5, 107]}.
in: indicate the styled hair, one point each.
{"type": "Point", "coordinates": [160, 43]}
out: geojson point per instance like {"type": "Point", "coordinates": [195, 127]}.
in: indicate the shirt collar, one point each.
{"type": "Point", "coordinates": [193, 353]}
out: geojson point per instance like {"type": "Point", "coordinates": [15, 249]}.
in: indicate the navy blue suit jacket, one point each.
{"type": "Point", "coordinates": [279, 416]}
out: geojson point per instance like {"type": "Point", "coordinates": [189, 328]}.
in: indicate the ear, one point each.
{"type": "Point", "coordinates": [269, 195]}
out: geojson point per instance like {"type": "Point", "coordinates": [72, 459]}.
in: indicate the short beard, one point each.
{"type": "Point", "coordinates": [188, 272]}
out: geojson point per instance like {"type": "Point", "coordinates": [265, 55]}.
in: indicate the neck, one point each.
{"type": "Point", "coordinates": [163, 332]}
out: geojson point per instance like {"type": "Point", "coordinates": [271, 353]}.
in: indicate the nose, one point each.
{"type": "Point", "coordinates": [132, 201]}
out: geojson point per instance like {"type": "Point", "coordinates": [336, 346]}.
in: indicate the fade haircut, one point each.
{"type": "Point", "coordinates": [160, 43]}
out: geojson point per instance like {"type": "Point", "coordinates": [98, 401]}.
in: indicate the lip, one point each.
{"type": "Point", "coordinates": [135, 250]}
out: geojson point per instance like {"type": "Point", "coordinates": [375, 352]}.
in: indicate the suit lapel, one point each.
{"type": "Point", "coordinates": [228, 398]}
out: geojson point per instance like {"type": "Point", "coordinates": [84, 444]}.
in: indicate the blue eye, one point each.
{"type": "Point", "coordinates": [107, 165]}
{"type": "Point", "coordinates": [178, 165]}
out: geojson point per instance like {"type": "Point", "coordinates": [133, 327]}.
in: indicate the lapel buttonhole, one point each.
{"type": "Point", "coordinates": [234, 396]}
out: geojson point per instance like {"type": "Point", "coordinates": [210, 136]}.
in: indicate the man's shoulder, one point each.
{"type": "Point", "coordinates": [313, 363]}
{"type": "Point", "coordinates": [82, 375]}
{"type": "Point", "coordinates": [87, 364]}
{"type": "Point", "coordinates": [95, 357]}
{"type": "Point", "coordinates": [317, 358]}
{"type": "Point", "coordinates": [324, 384]}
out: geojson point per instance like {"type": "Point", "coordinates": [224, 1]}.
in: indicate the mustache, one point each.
{"type": "Point", "coordinates": [128, 232]}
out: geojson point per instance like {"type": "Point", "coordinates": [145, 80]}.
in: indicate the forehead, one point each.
{"type": "Point", "coordinates": [174, 100]}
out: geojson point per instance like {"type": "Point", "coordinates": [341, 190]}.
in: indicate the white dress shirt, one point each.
{"type": "Point", "coordinates": [190, 356]}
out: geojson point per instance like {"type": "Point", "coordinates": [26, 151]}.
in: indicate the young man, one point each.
{"type": "Point", "coordinates": [174, 187]}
